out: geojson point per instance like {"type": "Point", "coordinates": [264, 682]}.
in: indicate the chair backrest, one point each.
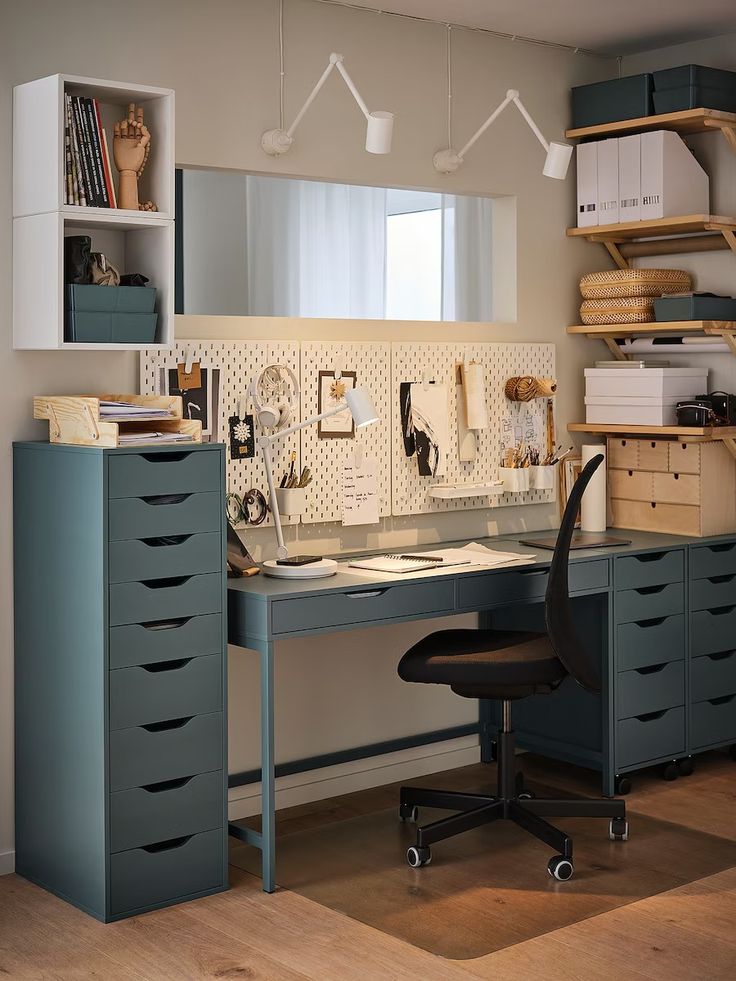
{"type": "Point", "coordinates": [557, 607]}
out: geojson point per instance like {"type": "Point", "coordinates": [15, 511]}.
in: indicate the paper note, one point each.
{"type": "Point", "coordinates": [359, 493]}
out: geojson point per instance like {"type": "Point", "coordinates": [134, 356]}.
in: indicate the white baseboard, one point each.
{"type": "Point", "coordinates": [7, 862]}
{"type": "Point", "coordinates": [302, 788]}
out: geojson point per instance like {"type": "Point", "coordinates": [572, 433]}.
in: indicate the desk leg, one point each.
{"type": "Point", "coordinates": [268, 775]}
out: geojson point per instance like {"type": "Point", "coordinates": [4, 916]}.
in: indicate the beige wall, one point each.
{"type": "Point", "coordinates": [220, 57]}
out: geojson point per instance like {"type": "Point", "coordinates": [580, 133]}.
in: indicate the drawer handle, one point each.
{"type": "Point", "coordinates": [534, 572]}
{"type": "Point", "coordinates": [165, 624]}
{"type": "Point", "coordinates": [722, 548]}
{"type": "Point", "coordinates": [165, 583]}
{"type": "Point", "coordinates": [721, 579]}
{"type": "Point", "coordinates": [167, 665]}
{"type": "Point", "coordinates": [722, 700]}
{"type": "Point", "coordinates": [651, 716]}
{"type": "Point", "coordinates": [650, 590]}
{"type": "Point", "coordinates": [164, 541]}
{"type": "Point", "coordinates": [651, 668]}
{"type": "Point", "coordinates": [156, 500]}
{"type": "Point", "coordinates": [654, 622]}
{"type": "Point", "coordinates": [169, 724]}
{"type": "Point", "coordinates": [165, 457]}
{"type": "Point", "coordinates": [652, 557]}
{"type": "Point", "coordinates": [167, 846]}
{"type": "Point", "coordinates": [164, 785]}
{"type": "Point", "coordinates": [721, 611]}
{"type": "Point", "coordinates": [721, 656]}
{"type": "Point", "coordinates": [367, 594]}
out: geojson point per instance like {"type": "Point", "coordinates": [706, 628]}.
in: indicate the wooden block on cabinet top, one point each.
{"type": "Point", "coordinates": [684, 457]}
{"type": "Point", "coordinates": [675, 488]}
{"type": "Point", "coordinates": [631, 485]}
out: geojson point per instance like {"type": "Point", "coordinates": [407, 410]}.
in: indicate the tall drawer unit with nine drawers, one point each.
{"type": "Point", "coordinates": [120, 674]}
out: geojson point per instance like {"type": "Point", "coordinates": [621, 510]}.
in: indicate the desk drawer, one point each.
{"type": "Point", "coordinates": [644, 643]}
{"type": "Point", "coordinates": [650, 737]}
{"type": "Point", "coordinates": [712, 560]}
{"type": "Point", "coordinates": [159, 599]}
{"type": "Point", "coordinates": [713, 675]}
{"type": "Point", "coordinates": [165, 751]}
{"type": "Point", "coordinates": [162, 557]}
{"type": "Point", "coordinates": [713, 722]}
{"type": "Point", "coordinates": [717, 591]}
{"type": "Point", "coordinates": [364, 605]}
{"type": "Point", "coordinates": [649, 602]}
{"type": "Point", "coordinates": [524, 585]}
{"type": "Point", "coordinates": [171, 870]}
{"type": "Point", "coordinates": [175, 472]}
{"type": "Point", "coordinates": [165, 640]}
{"type": "Point", "coordinates": [650, 689]}
{"type": "Point", "coordinates": [167, 690]}
{"type": "Point", "coordinates": [174, 514]}
{"type": "Point", "coordinates": [167, 810]}
{"type": "Point", "coordinates": [713, 631]}
{"type": "Point", "coordinates": [649, 569]}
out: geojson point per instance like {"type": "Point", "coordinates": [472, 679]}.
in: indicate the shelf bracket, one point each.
{"type": "Point", "coordinates": [615, 254]}
{"type": "Point", "coordinates": [730, 444]}
{"type": "Point", "coordinates": [729, 133]}
{"type": "Point", "coordinates": [615, 349]}
{"type": "Point", "coordinates": [730, 237]}
{"type": "Point", "coordinates": [730, 340]}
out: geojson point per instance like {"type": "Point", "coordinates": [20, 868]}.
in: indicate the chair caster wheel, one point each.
{"type": "Point", "coordinates": [618, 829]}
{"type": "Point", "coordinates": [686, 766]}
{"type": "Point", "coordinates": [670, 771]}
{"type": "Point", "coordinates": [622, 786]}
{"type": "Point", "coordinates": [409, 813]}
{"type": "Point", "coordinates": [560, 868]}
{"type": "Point", "coordinates": [526, 795]}
{"type": "Point", "coordinates": [417, 857]}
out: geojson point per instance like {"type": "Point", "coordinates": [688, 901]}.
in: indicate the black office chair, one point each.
{"type": "Point", "coordinates": [506, 665]}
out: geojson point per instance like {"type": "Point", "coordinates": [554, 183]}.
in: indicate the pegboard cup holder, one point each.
{"type": "Point", "coordinates": [291, 500]}
{"type": "Point", "coordinates": [516, 480]}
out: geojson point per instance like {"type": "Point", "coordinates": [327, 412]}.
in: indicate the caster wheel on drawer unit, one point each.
{"type": "Point", "coordinates": [417, 857]}
{"type": "Point", "coordinates": [686, 766]}
{"type": "Point", "coordinates": [408, 813]}
{"type": "Point", "coordinates": [732, 752]}
{"type": "Point", "coordinates": [670, 771]}
{"type": "Point", "coordinates": [618, 829]}
{"type": "Point", "coordinates": [622, 786]}
{"type": "Point", "coordinates": [560, 868]}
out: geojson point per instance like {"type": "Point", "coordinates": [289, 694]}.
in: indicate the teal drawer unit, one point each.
{"type": "Point", "coordinates": [121, 694]}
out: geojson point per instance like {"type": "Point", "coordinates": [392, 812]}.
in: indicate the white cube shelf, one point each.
{"type": "Point", "coordinates": [134, 241]}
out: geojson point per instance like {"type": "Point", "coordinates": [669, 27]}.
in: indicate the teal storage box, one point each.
{"type": "Point", "coordinates": [110, 314]}
{"type": "Point", "coordinates": [611, 101]}
{"type": "Point", "coordinates": [694, 306]}
{"type": "Point", "coordinates": [694, 87]}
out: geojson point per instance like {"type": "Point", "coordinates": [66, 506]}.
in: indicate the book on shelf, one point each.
{"type": "Point", "coordinates": [88, 173]}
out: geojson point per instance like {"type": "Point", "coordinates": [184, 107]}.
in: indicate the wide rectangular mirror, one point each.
{"type": "Point", "coordinates": [273, 246]}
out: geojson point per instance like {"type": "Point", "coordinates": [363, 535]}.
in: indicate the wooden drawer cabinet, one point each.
{"type": "Point", "coordinates": [675, 488]}
{"type": "Point", "coordinates": [684, 458]}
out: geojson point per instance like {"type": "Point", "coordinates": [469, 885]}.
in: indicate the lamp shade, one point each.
{"type": "Point", "coordinates": [361, 407]}
{"type": "Point", "coordinates": [379, 131]}
{"type": "Point", "coordinates": [558, 160]}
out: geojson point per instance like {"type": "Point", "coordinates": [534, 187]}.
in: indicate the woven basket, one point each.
{"type": "Point", "coordinates": [624, 310]}
{"type": "Point", "coordinates": [615, 283]}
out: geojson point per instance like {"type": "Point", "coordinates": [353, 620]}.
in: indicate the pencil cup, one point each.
{"type": "Point", "coordinates": [515, 479]}
{"type": "Point", "coordinates": [542, 478]}
{"type": "Point", "coordinates": [291, 500]}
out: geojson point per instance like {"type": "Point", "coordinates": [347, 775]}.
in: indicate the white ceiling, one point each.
{"type": "Point", "coordinates": [607, 26]}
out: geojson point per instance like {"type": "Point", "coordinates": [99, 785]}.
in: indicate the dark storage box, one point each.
{"type": "Point", "coordinates": [608, 102]}
{"type": "Point", "coordinates": [694, 87]}
{"type": "Point", "coordinates": [692, 75]}
{"type": "Point", "coordinates": [110, 314]}
{"type": "Point", "coordinates": [696, 306]}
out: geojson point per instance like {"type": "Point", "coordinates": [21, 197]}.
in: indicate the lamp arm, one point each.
{"type": "Point", "coordinates": [491, 119]}
{"type": "Point", "coordinates": [351, 85]}
{"type": "Point", "coordinates": [534, 128]}
{"type": "Point", "coordinates": [281, 551]}
{"type": "Point", "coordinates": [313, 95]}
{"type": "Point", "coordinates": [281, 433]}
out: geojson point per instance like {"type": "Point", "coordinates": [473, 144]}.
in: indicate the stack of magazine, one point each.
{"type": "Point", "coordinates": [88, 170]}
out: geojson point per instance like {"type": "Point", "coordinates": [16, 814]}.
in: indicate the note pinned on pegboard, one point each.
{"type": "Point", "coordinates": [359, 492]}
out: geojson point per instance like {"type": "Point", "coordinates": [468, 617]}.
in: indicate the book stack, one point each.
{"type": "Point", "coordinates": [88, 171]}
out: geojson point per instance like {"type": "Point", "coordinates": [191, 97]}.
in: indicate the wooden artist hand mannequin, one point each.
{"type": "Point", "coordinates": [131, 147]}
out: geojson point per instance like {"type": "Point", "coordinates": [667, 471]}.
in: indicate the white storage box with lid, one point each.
{"type": "Point", "coordinates": [624, 383]}
{"type": "Point", "coordinates": [634, 410]}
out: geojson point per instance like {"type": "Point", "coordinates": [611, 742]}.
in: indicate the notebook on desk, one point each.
{"type": "Point", "coordinates": [405, 563]}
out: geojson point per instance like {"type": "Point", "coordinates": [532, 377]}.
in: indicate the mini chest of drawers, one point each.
{"type": "Point", "coordinates": [121, 753]}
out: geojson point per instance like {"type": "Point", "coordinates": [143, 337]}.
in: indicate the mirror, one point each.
{"type": "Point", "coordinates": [249, 245]}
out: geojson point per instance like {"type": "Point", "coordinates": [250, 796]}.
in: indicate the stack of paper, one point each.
{"type": "Point", "coordinates": [130, 410]}
{"type": "Point", "coordinates": [125, 439]}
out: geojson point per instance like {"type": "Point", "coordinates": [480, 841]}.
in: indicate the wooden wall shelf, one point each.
{"type": "Point", "coordinates": [683, 434]}
{"type": "Point", "coordinates": [611, 333]}
{"type": "Point", "coordinates": [688, 121]}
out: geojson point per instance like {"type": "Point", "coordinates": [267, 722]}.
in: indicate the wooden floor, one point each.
{"type": "Point", "coordinates": [681, 935]}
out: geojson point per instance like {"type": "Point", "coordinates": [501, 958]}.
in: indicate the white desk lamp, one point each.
{"type": "Point", "coordinates": [363, 412]}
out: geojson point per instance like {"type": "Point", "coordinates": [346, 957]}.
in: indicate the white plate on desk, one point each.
{"type": "Point", "coordinates": [313, 570]}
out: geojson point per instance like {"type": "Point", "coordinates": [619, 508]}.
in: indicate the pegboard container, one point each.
{"type": "Point", "coordinates": [235, 363]}
{"type": "Point", "coordinates": [326, 457]}
{"type": "Point", "coordinates": [507, 421]}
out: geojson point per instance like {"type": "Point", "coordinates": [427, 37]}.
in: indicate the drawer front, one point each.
{"type": "Point", "coordinates": [178, 514]}
{"type": "Point", "coordinates": [649, 602]}
{"type": "Point", "coordinates": [650, 689]}
{"type": "Point", "coordinates": [623, 454]}
{"type": "Point", "coordinates": [671, 519]}
{"type": "Point", "coordinates": [631, 485]}
{"type": "Point", "coordinates": [675, 488]}
{"type": "Point", "coordinates": [170, 871]}
{"type": "Point", "coordinates": [649, 642]}
{"type": "Point", "coordinates": [650, 737]}
{"type": "Point", "coordinates": [684, 458]}
{"type": "Point", "coordinates": [475, 592]}
{"type": "Point", "coordinates": [160, 599]}
{"type": "Point", "coordinates": [165, 751]}
{"type": "Point", "coordinates": [177, 472]}
{"type": "Point", "coordinates": [159, 558]}
{"type": "Point", "coordinates": [713, 722]}
{"type": "Point", "coordinates": [165, 640]}
{"type": "Point", "coordinates": [713, 675]}
{"type": "Point", "coordinates": [167, 810]}
{"type": "Point", "coordinates": [364, 605]}
{"type": "Point", "coordinates": [654, 455]}
{"type": "Point", "coordinates": [713, 631]}
{"type": "Point", "coordinates": [712, 560]}
{"type": "Point", "coordinates": [717, 591]}
{"type": "Point", "coordinates": [649, 569]}
{"type": "Point", "coordinates": [167, 690]}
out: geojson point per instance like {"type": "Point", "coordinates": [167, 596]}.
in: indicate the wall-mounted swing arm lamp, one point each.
{"type": "Point", "coordinates": [558, 154]}
{"type": "Point", "coordinates": [380, 124]}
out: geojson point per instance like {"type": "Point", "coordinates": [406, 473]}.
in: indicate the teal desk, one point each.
{"type": "Point", "coordinates": [659, 613]}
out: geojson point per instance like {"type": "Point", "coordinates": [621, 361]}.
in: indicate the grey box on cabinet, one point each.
{"type": "Point", "coordinates": [607, 102]}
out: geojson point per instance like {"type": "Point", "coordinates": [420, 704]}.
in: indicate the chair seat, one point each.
{"type": "Point", "coordinates": [484, 663]}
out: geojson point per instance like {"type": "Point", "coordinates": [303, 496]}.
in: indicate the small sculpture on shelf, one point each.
{"type": "Point", "coordinates": [131, 148]}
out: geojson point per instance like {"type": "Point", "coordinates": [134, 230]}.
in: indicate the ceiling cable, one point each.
{"type": "Point", "coordinates": [449, 85]}
{"type": "Point", "coordinates": [281, 64]}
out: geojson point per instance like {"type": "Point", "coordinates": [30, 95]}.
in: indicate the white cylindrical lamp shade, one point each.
{"type": "Point", "coordinates": [558, 160]}
{"type": "Point", "coordinates": [379, 131]}
{"type": "Point", "coordinates": [593, 507]}
{"type": "Point", "coordinates": [361, 407]}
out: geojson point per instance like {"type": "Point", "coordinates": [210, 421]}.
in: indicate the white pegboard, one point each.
{"type": "Point", "coordinates": [412, 363]}
{"type": "Point", "coordinates": [238, 362]}
{"type": "Point", "coordinates": [326, 457]}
